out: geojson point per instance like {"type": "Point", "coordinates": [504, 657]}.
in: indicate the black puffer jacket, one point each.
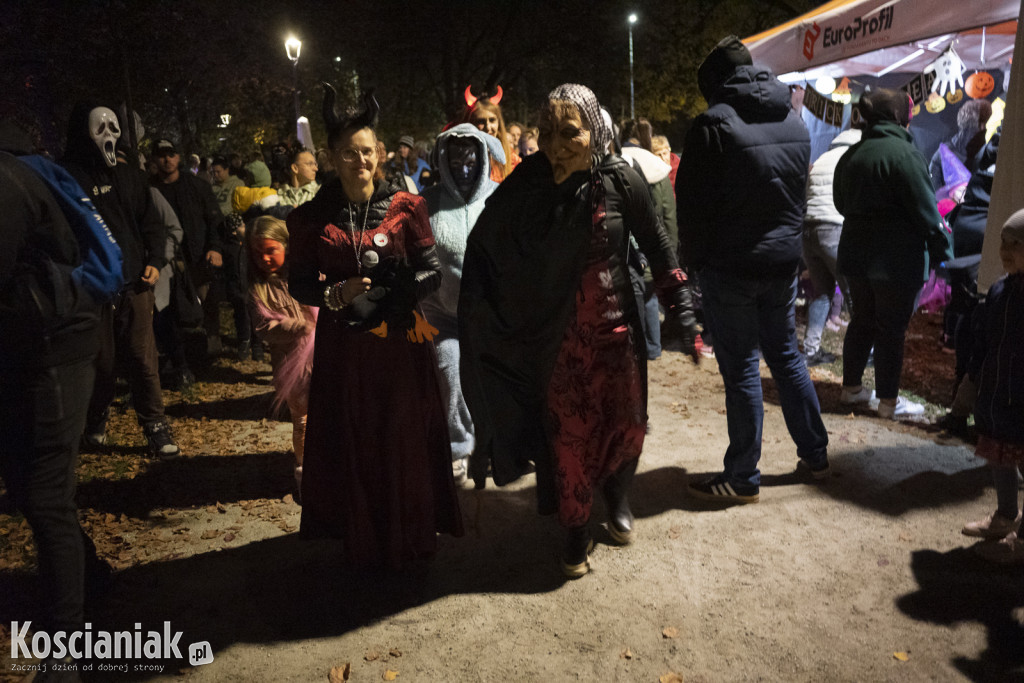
{"type": "Point", "coordinates": [741, 185]}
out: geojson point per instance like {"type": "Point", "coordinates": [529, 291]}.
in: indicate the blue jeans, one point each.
{"type": "Point", "coordinates": [821, 244]}
{"type": "Point", "coordinates": [652, 327]}
{"type": "Point", "coordinates": [745, 316]}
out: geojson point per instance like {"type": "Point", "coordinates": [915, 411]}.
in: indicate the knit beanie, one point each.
{"type": "Point", "coordinates": [885, 105]}
{"type": "Point", "coordinates": [720, 63]}
{"type": "Point", "coordinates": [1013, 228]}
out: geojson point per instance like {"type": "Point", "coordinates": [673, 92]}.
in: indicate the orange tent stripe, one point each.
{"type": "Point", "coordinates": [790, 24]}
{"type": "Point", "coordinates": [1007, 28]}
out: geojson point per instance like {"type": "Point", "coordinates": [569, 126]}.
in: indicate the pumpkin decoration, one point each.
{"type": "Point", "coordinates": [935, 103]}
{"type": "Point", "coordinates": [916, 111]}
{"type": "Point", "coordinates": [979, 85]}
{"type": "Point", "coordinates": [954, 97]}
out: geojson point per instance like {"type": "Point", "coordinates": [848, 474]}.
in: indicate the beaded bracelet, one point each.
{"type": "Point", "coordinates": [333, 298]}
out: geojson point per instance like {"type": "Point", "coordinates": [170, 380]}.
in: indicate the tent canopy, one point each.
{"type": "Point", "coordinates": [875, 37]}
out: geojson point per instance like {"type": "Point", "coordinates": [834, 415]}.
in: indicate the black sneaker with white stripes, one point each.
{"type": "Point", "coordinates": [721, 489]}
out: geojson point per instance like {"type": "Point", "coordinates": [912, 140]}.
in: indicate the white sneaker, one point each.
{"type": "Point", "coordinates": [902, 408]}
{"type": "Point", "coordinates": [848, 397]}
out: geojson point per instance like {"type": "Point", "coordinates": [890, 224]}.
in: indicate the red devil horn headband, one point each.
{"type": "Point", "coordinates": [471, 100]}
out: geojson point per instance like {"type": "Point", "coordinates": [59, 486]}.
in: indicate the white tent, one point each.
{"type": "Point", "coordinates": [876, 37]}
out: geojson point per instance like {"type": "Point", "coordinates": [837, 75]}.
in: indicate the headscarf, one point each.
{"type": "Point", "coordinates": [590, 110]}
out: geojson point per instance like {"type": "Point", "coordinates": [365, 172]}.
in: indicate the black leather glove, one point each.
{"type": "Point", "coordinates": [682, 323]}
{"type": "Point", "coordinates": [391, 297]}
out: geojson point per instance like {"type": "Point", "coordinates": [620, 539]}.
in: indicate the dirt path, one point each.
{"type": "Point", "coordinates": [818, 582]}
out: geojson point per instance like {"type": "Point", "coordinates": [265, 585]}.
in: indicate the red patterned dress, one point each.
{"type": "Point", "coordinates": [595, 397]}
{"type": "Point", "coordinates": [377, 468]}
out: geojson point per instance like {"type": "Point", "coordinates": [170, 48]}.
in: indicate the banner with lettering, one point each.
{"type": "Point", "coordinates": [823, 107]}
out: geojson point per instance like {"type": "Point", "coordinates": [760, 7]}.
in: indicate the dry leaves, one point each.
{"type": "Point", "coordinates": [371, 656]}
{"type": "Point", "coordinates": [340, 674]}
{"type": "Point", "coordinates": [669, 632]}
{"type": "Point", "coordinates": [626, 654]}
{"type": "Point", "coordinates": [670, 677]}
{"type": "Point", "coordinates": [390, 675]}
{"type": "Point", "coordinates": [901, 656]}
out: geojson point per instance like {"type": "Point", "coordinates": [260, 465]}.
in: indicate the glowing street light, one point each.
{"type": "Point", "coordinates": [632, 108]}
{"type": "Point", "coordinates": [293, 47]}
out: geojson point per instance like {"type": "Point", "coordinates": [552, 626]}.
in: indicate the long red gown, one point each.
{"type": "Point", "coordinates": [595, 396]}
{"type": "Point", "coordinates": [377, 467]}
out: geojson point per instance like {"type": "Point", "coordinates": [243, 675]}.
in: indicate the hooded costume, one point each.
{"type": "Point", "coordinates": [119, 193]}
{"type": "Point", "coordinates": [545, 263]}
{"type": "Point", "coordinates": [452, 216]}
{"type": "Point", "coordinates": [123, 199]}
{"type": "Point", "coordinates": [377, 464]}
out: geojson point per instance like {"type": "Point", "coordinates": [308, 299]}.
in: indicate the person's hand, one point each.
{"type": "Point", "coordinates": [150, 275]}
{"type": "Point", "coordinates": [422, 331]}
{"type": "Point", "coordinates": [683, 324]}
{"type": "Point", "coordinates": [214, 258]}
{"type": "Point", "coordinates": [353, 287]}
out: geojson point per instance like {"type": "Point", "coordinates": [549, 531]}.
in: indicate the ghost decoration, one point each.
{"type": "Point", "coordinates": [949, 72]}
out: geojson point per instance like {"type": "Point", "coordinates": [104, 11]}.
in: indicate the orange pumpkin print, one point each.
{"type": "Point", "coordinates": [979, 85]}
{"type": "Point", "coordinates": [954, 96]}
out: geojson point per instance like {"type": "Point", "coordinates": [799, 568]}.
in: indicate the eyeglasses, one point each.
{"type": "Point", "coordinates": [351, 155]}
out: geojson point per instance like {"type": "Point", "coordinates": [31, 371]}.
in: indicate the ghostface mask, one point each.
{"type": "Point", "coordinates": [104, 131]}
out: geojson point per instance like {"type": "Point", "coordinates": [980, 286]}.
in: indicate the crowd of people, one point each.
{"type": "Point", "coordinates": [483, 310]}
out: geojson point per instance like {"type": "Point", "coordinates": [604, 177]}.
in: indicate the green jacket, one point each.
{"type": "Point", "coordinates": [892, 225]}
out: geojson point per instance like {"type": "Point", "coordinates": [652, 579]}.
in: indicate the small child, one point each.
{"type": "Point", "coordinates": [997, 368]}
{"type": "Point", "coordinates": [283, 323]}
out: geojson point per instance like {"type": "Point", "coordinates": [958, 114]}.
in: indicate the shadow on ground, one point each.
{"type": "Point", "coordinates": [957, 587]}
{"type": "Point", "coordinates": [188, 482]}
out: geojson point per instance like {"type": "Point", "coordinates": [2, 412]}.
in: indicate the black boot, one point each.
{"type": "Point", "coordinates": [620, 517]}
{"type": "Point", "coordinates": [576, 553]}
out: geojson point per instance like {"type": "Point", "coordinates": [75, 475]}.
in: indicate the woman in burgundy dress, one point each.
{"type": "Point", "coordinates": [553, 351]}
{"type": "Point", "coordinates": [377, 466]}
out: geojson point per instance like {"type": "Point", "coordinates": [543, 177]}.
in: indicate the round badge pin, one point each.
{"type": "Point", "coordinates": [380, 239]}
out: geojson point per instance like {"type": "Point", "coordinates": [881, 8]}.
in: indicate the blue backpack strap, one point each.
{"type": "Point", "coordinates": [100, 273]}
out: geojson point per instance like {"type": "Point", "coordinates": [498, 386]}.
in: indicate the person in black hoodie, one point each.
{"type": "Point", "coordinates": [122, 198]}
{"type": "Point", "coordinates": [48, 343]}
{"type": "Point", "coordinates": [741, 191]}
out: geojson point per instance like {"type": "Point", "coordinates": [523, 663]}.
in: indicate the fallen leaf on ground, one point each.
{"type": "Point", "coordinates": [669, 632]}
{"type": "Point", "coordinates": [626, 654]}
{"type": "Point", "coordinates": [902, 656]}
{"type": "Point", "coordinates": [339, 674]}
{"type": "Point", "coordinates": [229, 537]}
{"type": "Point", "coordinates": [371, 656]}
{"type": "Point", "coordinates": [395, 652]}
{"type": "Point", "coordinates": [221, 508]}
{"type": "Point", "coordinates": [670, 677]}
{"type": "Point", "coordinates": [389, 675]}
{"type": "Point", "coordinates": [209, 533]}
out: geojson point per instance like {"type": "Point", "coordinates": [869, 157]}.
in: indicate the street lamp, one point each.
{"type": "Point", "coordinates": [293, 46]}
{"type": "Point", "coordinates": [632, 109]}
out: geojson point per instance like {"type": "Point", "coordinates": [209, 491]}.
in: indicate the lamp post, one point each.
{"type": "Point", "coordinates": [293, 46]}
{"type": "Point", "coordinates": [632, 109]}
